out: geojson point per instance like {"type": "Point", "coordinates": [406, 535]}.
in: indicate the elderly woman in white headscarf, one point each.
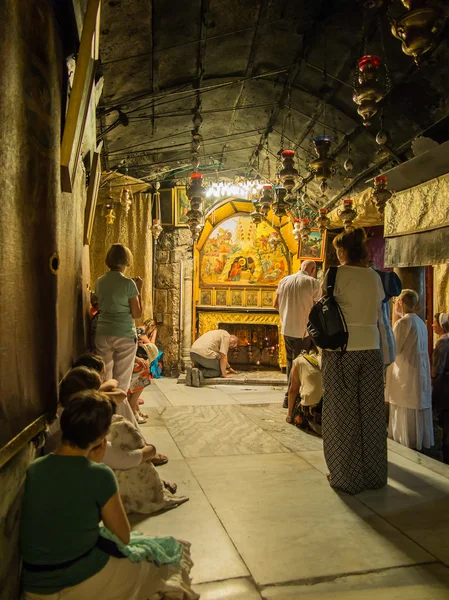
{"type": "Point", "coordinates": [440, 378]}
{"type": "Point", "coordinates": [409, 389]}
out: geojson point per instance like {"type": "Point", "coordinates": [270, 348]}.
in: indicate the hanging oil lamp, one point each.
{"type": "Point", "coordinates": [156, 228]}
{"type": "Point", "coordinates": [280, 204]}
{"type": "Point", "coordinates": [195, 193]}
{"type": "Point", "coordinates": [110, 215]}
{"type": "Point", "coordinates": [323, 220]}
{"type": "Point", "coordinates": [368, 89]}
{"type": "Point", "coordinates": [266, 199]}
{"type": "Point", "coordinates": [380, 195]}
{"type": "Point", "coordinates": [274, 240]}
{"type": "Point", "coordinates": [347, 214]}
{"type": "Point", "coordinates": [418, 28]}
{"type": "Point", "coordinates": [305, 229]}
{"type": "Point", "coordinates": [126, 199]}
{"type": "Point", "coordinates": [297, 230]}
{"type": "Point", "coordinates": [257, 215]}
{"type": "Point", "coordinates": [323, 167]}
{"type": "Point", "coordinates": [288, 174]}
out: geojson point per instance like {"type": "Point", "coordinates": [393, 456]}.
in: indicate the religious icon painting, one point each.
{"type": "Point", "coordinates": [312, 247]}
{"type": "Point", "coordinates": [267, 299]}
{"type": "Point", "coordinates": [221, 298]}
{"type": "Point", "coordinates": [206, 297]}
{"type": "Point", "coordinates": [237, 297]}
{"type": "Point", "coordinates": [182, 206]}
{"type": "Point", "coordinates": [252, 298]}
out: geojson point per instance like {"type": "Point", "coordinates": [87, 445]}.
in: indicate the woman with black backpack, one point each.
{"type": "Point", "coordinates": [353, 427]}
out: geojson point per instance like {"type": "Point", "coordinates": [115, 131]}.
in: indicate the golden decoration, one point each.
{"type": "Point", "coordinates": [421, 208]}
{"type": "Point", "coordinates": [211, 320]}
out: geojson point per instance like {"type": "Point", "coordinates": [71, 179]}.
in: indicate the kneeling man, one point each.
{"type": "Point", "coordinates": [209, 353]}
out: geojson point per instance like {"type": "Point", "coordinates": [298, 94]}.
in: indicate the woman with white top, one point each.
{"type": "Point", "coordinates": [353, 428]}
{"type": "Point", "coordinates": [409, 387]}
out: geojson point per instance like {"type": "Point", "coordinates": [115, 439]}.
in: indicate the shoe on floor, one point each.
{"type": "Point", "coordinates": [195, 377]}
{"type": "Point", "coordinates": [188, 375]}
{"type": "Point", "coordinates": [285, 404]}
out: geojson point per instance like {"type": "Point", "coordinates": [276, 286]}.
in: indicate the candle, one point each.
{"type": "Point", "coordinates": [347, 202]}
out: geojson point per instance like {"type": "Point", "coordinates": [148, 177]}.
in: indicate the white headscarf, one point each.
{"type": "Point", "coordinates": [444, 321]}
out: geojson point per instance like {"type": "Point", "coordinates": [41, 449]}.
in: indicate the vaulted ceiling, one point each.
{"type": "Point", "coordinates": [254, 69]}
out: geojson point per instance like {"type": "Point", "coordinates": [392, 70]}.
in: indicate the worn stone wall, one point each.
{"type": "Point", "coordinates": [42, 313]}
{"type": "Point", "coordinates": [173, 258]}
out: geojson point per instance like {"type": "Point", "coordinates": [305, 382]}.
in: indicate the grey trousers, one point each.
{"type": "Point", "coordinates": [210, 367]}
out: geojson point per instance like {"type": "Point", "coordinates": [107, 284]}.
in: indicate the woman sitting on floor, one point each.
{"type": "Point", "coordinates": [66, 496]}
{"type": "Point", "coordinates": [306, 392]}
{"type": "Point", "coordinates": [127, 453]}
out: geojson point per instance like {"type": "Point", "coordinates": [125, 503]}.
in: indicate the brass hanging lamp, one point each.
{"type": "Point", "coordinates": [347, 213]}
{"type": "Point", "coordinates": [323, 220]}
{"type": "Point", "coordinates": [369, 87]}
{"type": "Point", "coordinates": [380, 195]}
{"type": "Point", "coordinates": [195, 193]}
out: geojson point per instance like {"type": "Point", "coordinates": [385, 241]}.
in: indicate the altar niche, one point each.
{"type": "Point", "coordinates": [258, 346]}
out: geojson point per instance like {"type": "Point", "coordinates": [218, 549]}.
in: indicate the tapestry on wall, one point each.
{"type": "Point", "coordinates": [238, 253]}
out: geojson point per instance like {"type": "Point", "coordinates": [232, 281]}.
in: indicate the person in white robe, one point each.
{"type": "Point", "coordinates": [409, 388]}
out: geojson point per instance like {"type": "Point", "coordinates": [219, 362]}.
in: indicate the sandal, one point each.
{"type": "Point", "coordinates": [289, 420]}
{"type": "Point", "coordinates": [140, 419]}
{"type": "Point", "coordinates": [159, 459]}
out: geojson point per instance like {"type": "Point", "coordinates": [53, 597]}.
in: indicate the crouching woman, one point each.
{"type": "Point", "coordinates": [66, 495]}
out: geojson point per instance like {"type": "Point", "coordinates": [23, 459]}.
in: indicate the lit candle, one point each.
{"type": "Point", "coordinates": [347, 202]}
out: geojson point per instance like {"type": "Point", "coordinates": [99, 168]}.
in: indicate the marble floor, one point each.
{"type": "Point", "coordinates": [262, 519]}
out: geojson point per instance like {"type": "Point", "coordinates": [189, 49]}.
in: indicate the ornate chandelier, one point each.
{"type": "Point", "coordinates": [418, 28]}
{"type": "Point", "coordinates": [368, 87]}
{"type": "Point", "coordinates": [347, 214]}
{"type": "Point", "coordinates": [195, 193]}
{"type": "Point", "coordinates": [323, 167]}
{"type": "Point", "coordinates": [126, 199]}
{"type": "Point", "coordinates": [380, 195]}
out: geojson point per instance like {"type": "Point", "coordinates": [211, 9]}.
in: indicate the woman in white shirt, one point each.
{"type": "Point", "coordinates": [409, 387]}
{"type": "Point", "coordinates": [354, 433]}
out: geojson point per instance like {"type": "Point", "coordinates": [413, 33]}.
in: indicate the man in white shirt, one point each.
{"type": "Point", "coordinates": [296, 294]}
{"type": "Point", "coordinates": [210, 355]}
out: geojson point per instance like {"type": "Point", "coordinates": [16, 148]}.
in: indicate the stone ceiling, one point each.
{"type": "Point", "coordinates": [255, 70]}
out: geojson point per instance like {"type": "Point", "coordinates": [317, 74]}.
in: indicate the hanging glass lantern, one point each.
{"type": "Point", "coordinates": [297, 230]}
{"type": "Point", "coordinates": [274, 240]}
{"type": "Point", "coordinates": [323, 167]}
{"type": "Point", "coordinates": [347, 214]}
{"type": "Point", "coordinates": [126, 199]}
{"type": "Point", "coordinates": [288, 174]}
{"type": "Point", "coordinates": [368, 88]}
{"type": "Point", "coordinates": [323, 220]}
{"type": "Point", "coordinates": [195, 193]}
{"type": "Point", "coordinates": [419, 27]}
{"type": "Point", "coordinates": [380, 195]}
{"type": "Point", "coordinates": [110, 215]}
{"type": "Point", "coordinates": [266, 199]}
{"type": "Point", "coordinates": [305, 229]}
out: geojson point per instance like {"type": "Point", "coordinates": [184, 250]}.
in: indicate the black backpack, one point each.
{"type": "Point", "coordinates": [327, 326]}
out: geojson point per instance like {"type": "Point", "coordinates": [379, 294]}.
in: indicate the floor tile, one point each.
{"type": "Point", "coordinates": [161, 438]}
{"type": "Point", "coordinates": [429, 582]}
{"type": "Point", "coordinates": [232, 589]}
{"type": "Point", "coordinates": [213, 553]}
{"type": "Point", "coordinates": [419, 458]}
{"type": "Point", "coordinates": [217, 431]}
{"type": "Point", "coordinates": [153, 397]}
{"type": "Point", "coordinates": [183, 395]}
{"type": "Point", "coordinates": [271, 419]}
{"type": "Point", "coordinates": [288, 524]}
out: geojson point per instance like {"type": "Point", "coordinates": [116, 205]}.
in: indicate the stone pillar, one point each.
{"type": "Point", "coordinates": [187, 300]}
{"type": "Point", "coordinates": [414, 278]}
